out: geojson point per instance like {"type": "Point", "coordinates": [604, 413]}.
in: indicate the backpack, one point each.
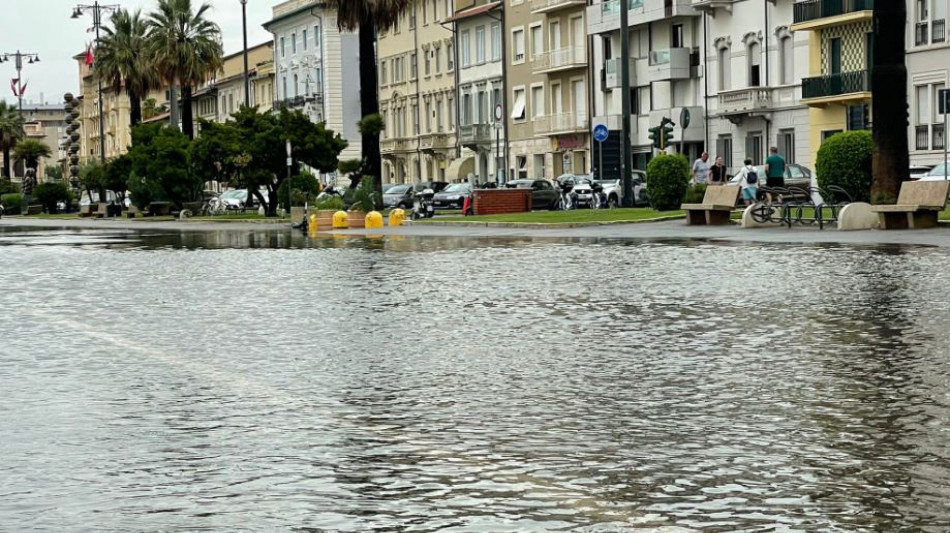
{"type": "Point", "coordinates": [751, 177]}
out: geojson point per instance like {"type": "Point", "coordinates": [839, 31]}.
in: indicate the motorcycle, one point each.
{"type": "Point", "coordinates": [422, 206]}
{"type": "Point", "coordinates": [588, 194]}
{"type": "Point", "coordinates": [566, 200]}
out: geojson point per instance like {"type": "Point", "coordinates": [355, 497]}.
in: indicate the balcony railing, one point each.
{"type": "Point", "coordinates": [810, 10]}
{"type": "Point", "coordinates": [561, 59]}
{"type": "Point", "coordinates": [923, 137]}
{"type": "Point", "coordinates": [671, 64]}
{"type": "Point", "coordinates": [436, 141]}
{"type": "Point", "coordinates": [560, 123]}
{"type": "Point", "coordinates": [744, 100]}
{"type": "Point", "coordinates": [939, 31]}
{"type": "Point", "coordinates": [298, 101]}
{"type": "Point", "coordinates": [836, 84]}
{"type": "Point", "coordinates": [546, 6]}
{"type": "Point", "coordinates": [612, 7]}
{"type": "Point", "coordinates": [475, 134]}
{"type": "Point", "coordinates": [921, 33]}
{"type": "Point", "coordinates": [939, 137]}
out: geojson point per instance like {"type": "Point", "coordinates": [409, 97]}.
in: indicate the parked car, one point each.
{"type": "Point", "coordinates": [543, 194]}
{"type": "Point", "coordinates": [436, 186]}
{"type": "Point", "coordinates": [452, 197]}
{"type": "Point", "coordinates": [586, 193]}
{"type": "Point", "coordinates": [613, 190]}
{"type": "Point", "coordinates": [387, 186]}
{"type": "Point", "coordinates": [795, 176]}
{"type": "Point", "coordinates": [398, 196]}
{"type": "Point", "coordinates": [919, 171]}
{"type": "Point", "coordinates": [937, 173]}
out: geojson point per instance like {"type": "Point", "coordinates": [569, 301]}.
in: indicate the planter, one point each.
{"type": "Point", "coordinates": [325, 219]}
{"type": "Point", "coordinates": [356, 219]}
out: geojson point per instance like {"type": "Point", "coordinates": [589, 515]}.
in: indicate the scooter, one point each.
{"type": "Point", "coordinates": [422, 206]}
{"type": "Point", "coordinates": [567, 197]}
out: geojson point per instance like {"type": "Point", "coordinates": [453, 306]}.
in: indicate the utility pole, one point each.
{"type": "Point", "coordinates": [625, 159]}
{"type": "Point", "coordinates": [247, 79]}
{"type": "Point", "coordinates": [890, 162]}
{"type": "Point", "coordinates": [18, 57]}
{"type": "Point", "coordinates": [96, 9]}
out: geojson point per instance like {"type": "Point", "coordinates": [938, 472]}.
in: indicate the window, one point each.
{"type": "Point", "coordinates": [448, 7]}
{"type": "Point", "coordinates": [755, 71]}
{"type": "Point", "coordinates": [539, 166]}
{"type": "Point", "coordinates": [451, 108]}
{"type": "Point", "coordinates": [496, 41]}
{"type": "Point", "coordinates": [316, 36]}
{"type": "Point", "coordinates": [724, 68]}
{"type": "Point", "coordinates": [466, 117]}
{"type": "Point", "coordinates": [438, 115]}
{"type": "Point", "coordinates": [557, 99]}
{"type": "Point", "coordinates": [517, 45]}
{"type": "Point", "coordinates": [438, 58]}
{"type": "Point", "coordinates": [517, 113]}
{"type": "Point", "coordinates": [428, 61]}
{"type": "Point", "coordinates": [425, 12]}
{"type": "Point", "coordinates": [396, 24]}
{"type": "Point", "coordinates": [753, 147]}
{"type": "Point", "coordinates": [415, 66]}
{"type": "Point", "coordinates": [859, 117]}
{"type": "Point", "coordinates": [537, 42]}
{"type": "Point", "coordinates": [285, 87]}
{"type": "Point", "coordinates": [293, 43]}
{"type": "Point", "coordinates": [522, 164]}
{"type": "Point", "coordinates": [677, 36]}
{"type": "Point", "coordinates": [923, 107]}
{"type": "Point", "coordinates": [415, 119]}
{"type": "Point", "coordinates": [835, 59]}
{"type": "Point", "coordinates": [554, 31]}
{"type": "Point", "coordinates": [495, 100]}
{"type": "Point", "coordinates": [480, 45]}
{"type": "Point", "coordinates": [412, 15]}
{"type": "Point", "coordinates": [483, 107]}
{"type": "Point", "coordinates": [537, 102]}
{"type": "Point", "coordinates": [786, 47]}
{"type": "Point", "coordinates": [724, 149]}
{"type": "Point", "coordinates": [786, 144]}
{"type": "Point", "coordinates": [282, 48]}
{"type": "Point", "coordinates": [435, 10]}
{"type": "Point", "coordinates": [296, 86]}
{"type": "Point", "coordinates": [449, 57]}
{"type": "Point", "coordinates": [304, 37]}
{"type": "Point", "coordinates": [428, 116]}
{"type": "Point", "coordinates": [466, 49]}
{"type": "Point", "coordinates": [383, 80]}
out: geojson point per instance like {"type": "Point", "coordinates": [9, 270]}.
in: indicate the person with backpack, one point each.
{"type": "Point", "coordinates": [749, 181]}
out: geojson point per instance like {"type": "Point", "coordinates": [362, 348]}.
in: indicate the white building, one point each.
{"type": "Point", "coordinates": [928, 72]}
{"type": "Point", "coordinates": [479, 41]}
{"type": "Point", "coordinates": [665, 40]}
{"type": "Point", "coordinates": [316, 68]}
{"type": "Point", "coordinates": [754, 67]}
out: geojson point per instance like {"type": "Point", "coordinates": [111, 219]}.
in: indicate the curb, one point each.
{"type": "Point", "coordinates": [542, 225]}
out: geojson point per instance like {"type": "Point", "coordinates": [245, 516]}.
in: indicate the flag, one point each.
{"type": "Point", "coordinates": [23, 89]}
{"type": "Point", "coordinates": [14, 84]}
{"type": "Point", "coordinates": [89, 57]}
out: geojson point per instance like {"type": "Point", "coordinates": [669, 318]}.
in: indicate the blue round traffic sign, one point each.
{"type": "Point", "coordinates": [600, 133]}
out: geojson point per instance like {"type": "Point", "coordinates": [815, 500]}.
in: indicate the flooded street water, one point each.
{"type": "Point", "coordinates": [224, 382]}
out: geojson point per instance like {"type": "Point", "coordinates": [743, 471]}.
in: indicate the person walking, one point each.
{"type": "Point", "coordinates": [749, 181]}
{"type": "Point", "coordinates": [718, 173]}
{"type": "Point", "coordinates": [774, 171]}
{"type": "Point", "coordinates": [700, 170]}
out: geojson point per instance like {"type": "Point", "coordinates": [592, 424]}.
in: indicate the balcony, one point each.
{"type": "Point", "coordinates": [296, 102]}
{"type": "Point", "coordinates": [559, 60]}
{"type": "Point", "coordinates": [605, 16]}
{"type": "Point", "coordinates": [744, 101]}
{"type": "Point", "coordinates": [939, 33]}
{"type": "Point", "coordinates": [548, 6]}
{"type": "Point", "coordinates": [930, 137]}
{"type": "Point", "coordinates": [817, 14]}
{"type": "Point", "coordinates": [396, 145]}
{"type": "Point", "coordinates": [672, 64]}
{"type": "Point", "coordinates": [561, 123]}
{"type": "Point", "coordinates": [613, 73]}
{"type": "Point", "coordinates": [436, 141]}
{"type": "Point", "coordinates": [837, 88]}
{"type": "Point", "coordinates": [475, 134]}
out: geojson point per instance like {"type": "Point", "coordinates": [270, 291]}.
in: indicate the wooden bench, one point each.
{"type": "Point", "coordinates": [918, 206]}
{"type": "Point", "coordinates": [717, 206]}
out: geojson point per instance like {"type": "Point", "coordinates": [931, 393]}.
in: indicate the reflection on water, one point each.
{"type": "Point", "coordinates": [271, 382]}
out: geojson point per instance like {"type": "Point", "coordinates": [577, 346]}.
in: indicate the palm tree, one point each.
{"type": "Point", "coordinates": [368, 16]}
{"type": "Point", "coordinates": [30, 151]}
{"type": "Point", "coordinates": [11, 131]}
{"type": "Point", "coordinates": [185, 47]}
{"type": "Point", "coordinates": [889, 105]}
{"type": "Point", "coordinates": [123, 58]}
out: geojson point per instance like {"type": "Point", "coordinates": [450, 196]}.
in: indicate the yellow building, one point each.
{"type": "Point", "coordinates": [223, 94]}
{"type": "Point", "coordinates": [841, 44]}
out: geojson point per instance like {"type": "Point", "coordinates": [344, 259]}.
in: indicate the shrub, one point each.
{"type": "Point", "coordinates": [49, 194]}
{"type": "Point", "coordinates": [11, 203]}
{"type": "Point", "coordinates": [331, 201]}
{"type": "Point", "coordinates": [8, 187]}
{"type": "Point", "coordinates": [845, 160]}
{"type": "Point", "coordinates": [667, 180]}
{"type": "Point", "coordinates": [363, 197]}
{"type": "Point", "coordinates": [695, 194]}
{"type": "Point", "coordinates": [305, 186]}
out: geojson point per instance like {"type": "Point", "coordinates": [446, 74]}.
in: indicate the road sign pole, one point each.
{"type": "Point", "coordinates": [944, 98]}
{"type": "Point", "coordinates": [600, 165]}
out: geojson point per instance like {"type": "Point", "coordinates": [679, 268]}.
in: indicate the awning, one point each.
{"type": "Point", "coordinates": [473, 11]}
{"type": "Point", "coordinates": [460, 168]}
{"type": "Point", "coordinates": [517, 112]}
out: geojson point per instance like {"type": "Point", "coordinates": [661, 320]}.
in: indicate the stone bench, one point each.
{"type": "Point", "coordinates": [717, 206]}
{"type": "Point", "coordinates": [918, 205]}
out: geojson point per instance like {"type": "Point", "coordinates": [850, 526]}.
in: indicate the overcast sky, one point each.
{"type": "Point", "coordinates": [45, 27]}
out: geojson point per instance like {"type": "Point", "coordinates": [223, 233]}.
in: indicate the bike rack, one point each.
{"type": "Point", "coordinates": [795, 203]}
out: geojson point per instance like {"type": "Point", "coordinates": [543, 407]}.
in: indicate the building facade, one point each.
{"type": "Point", "coordinates": [223, 94]}
{"type": "Point", "coordinates": [754, 67]}
{"type": "Point", "coordinates": [417, 94]}
{"type": "Point", "coordinates": [480, 46]}
{"type": "Point", "coordinates": [837, 88]}
{"type": "Point", "coordinates": [928, 72]}
{"type": "Point", "coordinates": [665, 42]}
{"type": "Point", "coordinates": [316, 68]}
{"type": "Point", "coordinates": [548, 83]}
{"type": "Point", "coordinates": [46, 123]}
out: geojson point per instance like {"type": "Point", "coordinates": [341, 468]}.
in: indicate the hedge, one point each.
{"type": "Point", "coordinates": [845, 160]}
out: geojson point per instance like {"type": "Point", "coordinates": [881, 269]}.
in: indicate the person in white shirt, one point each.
{"type": "Point", "coordinates": [749, 181]}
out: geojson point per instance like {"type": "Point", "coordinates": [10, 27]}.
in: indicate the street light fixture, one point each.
{"type": "Point", "coordinates": [19, 57]}
{"type": "Point", "coordinates": [96, 9]}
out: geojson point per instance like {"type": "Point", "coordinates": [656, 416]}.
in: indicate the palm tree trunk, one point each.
{"type": "Point", "coordinates": [135, 109]}
{"type": "Point", "coordinates": [173, 115]}
{"type": "Point", "coordinates": [187, 115]}
{"type": "Point", "coordinates": [6, 163]}
{"type": "Point", "coordinates": [890, 165]}
{"type": "Point", "coordinates": [369, 105]}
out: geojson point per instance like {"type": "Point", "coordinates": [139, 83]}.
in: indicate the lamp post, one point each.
{"type": "Point", "coordinates": [18, 57]}
{"type": "Point", "coordinates": [247, 80]}
{"type": "Point", "coordinates": [96, 9]}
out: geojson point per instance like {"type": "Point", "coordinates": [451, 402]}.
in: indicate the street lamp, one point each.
{"type": "Point", "coordinates": [247, 81]}
{"type": "Point", "coordinates": [18, 56]}
{"type": "Point", "coordinates": [96, 9]}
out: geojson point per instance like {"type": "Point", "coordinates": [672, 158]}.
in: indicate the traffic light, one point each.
{"type": "Point", "coordinates": [667, 136]}
{"type": "Point", "coordinates": [654, 137]}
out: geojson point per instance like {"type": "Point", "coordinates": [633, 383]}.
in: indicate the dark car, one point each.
{"type": "Point", "coordinates": [398, 196]}
{"type": "Point", "coordinates": [543, 194]}
{"type": "Point", "coordinates": [452, 197]}
{"type": "Point", "coordinates": [436, 186]}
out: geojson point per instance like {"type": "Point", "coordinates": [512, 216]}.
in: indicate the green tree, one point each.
{"type": "Point", "coordinates": [92, 179]}
{"type": "Point", "coordinates": [159, 156]}
{"type": "Point", "coordinates": [11, 131]}
{"type": "Point", "coordinates": [54, 173]}
{"type": "Point", "coordinates": [116, 175]}
{"type": "Point", "coordinates": [123, 61]}
{"type": "Point", "coordinates": [844, 159]}
{"type": "Point", "coordinates": [369, 16]}
{"type": "Point", "coordinates": [667, 180]}
{"type": "Point", "coordinates": [30, 151]}
{"type": "Point", "coordinates": [185, 47]}
{"type": "Point", "coordinates": [50, 194]}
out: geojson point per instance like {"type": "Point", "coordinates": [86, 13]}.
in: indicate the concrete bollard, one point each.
{"type": "Point", "coordinates": [373, 220]}
{"type": "Point", "coordinates": [396, 218]}
{"type": "Point", "coordinates": [340, 220]}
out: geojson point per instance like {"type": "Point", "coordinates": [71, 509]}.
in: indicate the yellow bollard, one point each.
{"type": "Point", "coordinates": [396, 218]}
{"type": "Point", "coordinates": [339, 220]}
{"type": "Point", "coordinates": [312, 226]}
{"type": "Point", "coordinates": [374, 220]}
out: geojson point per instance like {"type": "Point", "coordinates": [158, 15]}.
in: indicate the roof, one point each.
{"type": "Point", "coordinates": [156, 118]}
{"type": "Point", "coordinates": [473, 12]}
{"type": "Point", "coordinates": [305, 9]}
